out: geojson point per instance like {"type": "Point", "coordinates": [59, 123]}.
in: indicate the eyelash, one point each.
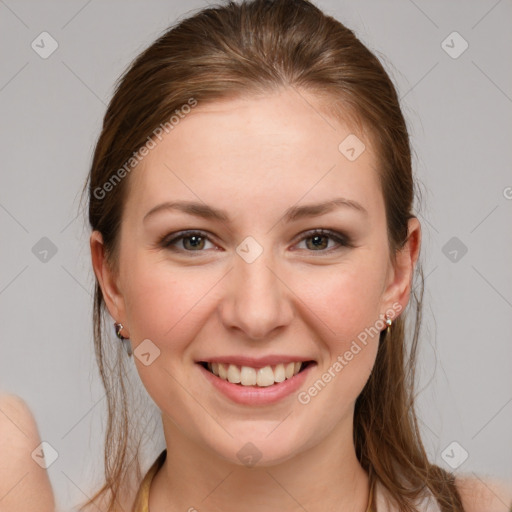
{"type": "Point", "coordinates": [341, 240]}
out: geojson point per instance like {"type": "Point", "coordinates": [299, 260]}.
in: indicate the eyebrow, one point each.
{"type": "Point", "coordinates": [293, 213]}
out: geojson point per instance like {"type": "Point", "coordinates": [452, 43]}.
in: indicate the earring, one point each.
{"type": "Point", "coordinates": [125, 341]}
{"type": "Point", "coordinates": [389, 323]}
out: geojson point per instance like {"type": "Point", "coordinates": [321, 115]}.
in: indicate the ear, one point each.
{"type": "Point", "coordinates": [107, 279]}
{"type": "Point", "coordinates": [398, 289]}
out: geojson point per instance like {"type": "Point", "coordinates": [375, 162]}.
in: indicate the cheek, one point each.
{"type": "Point", "coordinates": [165, 306]}
{"type": "Point", "coordinates": [346, 298]}
{"type": "Point", "coordinates": [347, 310]}
{"type": "Point", "coordinates": [164, 303]}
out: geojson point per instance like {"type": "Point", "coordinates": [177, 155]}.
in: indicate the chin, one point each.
{"type": "Point", "coordinates": [259, 449]}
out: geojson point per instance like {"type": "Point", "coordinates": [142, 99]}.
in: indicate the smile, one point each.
{"type": "Point", "coordinates": [260, 377]}
{"type": "Point", "coordinates": [252, 382]}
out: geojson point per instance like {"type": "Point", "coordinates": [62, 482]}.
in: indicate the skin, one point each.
{"type": "Point", "coordinates": [24, 485]}
{"type": "Point", "coordinates": [255, 158]}
{"type": "Point", "coordinates": [489, 494]}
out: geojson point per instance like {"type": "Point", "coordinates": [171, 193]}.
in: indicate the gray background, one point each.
{"type": "Point", "coordinates": [459, 114]}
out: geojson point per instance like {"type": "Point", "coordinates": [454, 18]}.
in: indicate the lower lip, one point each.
{"type": "Point", "coordinates": [255, 395]}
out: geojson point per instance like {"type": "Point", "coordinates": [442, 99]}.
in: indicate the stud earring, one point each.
{"type": "Point", "coordinates": [389, 323]}
{"type": "Point", "coordinates": [125, 341]}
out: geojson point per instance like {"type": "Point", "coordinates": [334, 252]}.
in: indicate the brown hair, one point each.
{"type": "Point", "coordinates": [256, 47]}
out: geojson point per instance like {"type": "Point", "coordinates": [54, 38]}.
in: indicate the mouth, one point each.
{"type": "Point", "coordinates": [247, 376]}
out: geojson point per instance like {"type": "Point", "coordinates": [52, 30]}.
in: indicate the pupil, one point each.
{"type": "Point", "coordinates": [194, 241]}
{"type": "Point", "coordinates": [316, 239]}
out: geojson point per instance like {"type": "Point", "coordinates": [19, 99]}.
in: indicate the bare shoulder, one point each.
{"type": "Point", "coordinates": [484, 494]}
{"type": "Point", "coordinates": [13, 409]}
{"type": "Point", "coordinates": [24, 484]}
{"type": "Point", "coordinates": [17, 426]}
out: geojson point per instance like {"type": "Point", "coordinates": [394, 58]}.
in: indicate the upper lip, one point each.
{"type": "Point", "coordinates": [255, 362]}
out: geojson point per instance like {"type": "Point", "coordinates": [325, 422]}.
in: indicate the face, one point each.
{"type": "Point", "coordinates": [248, 275]}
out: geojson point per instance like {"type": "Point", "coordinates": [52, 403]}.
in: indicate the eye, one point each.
{"type": "Point", "coordinates": [190, 241]}
{"type": "Point", "coordinates": [317, 240]}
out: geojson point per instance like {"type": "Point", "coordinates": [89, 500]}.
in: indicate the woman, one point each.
{"type": "Point", "coordinates": [253, 238]}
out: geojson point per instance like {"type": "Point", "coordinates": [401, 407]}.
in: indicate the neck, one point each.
{"type": "Point", "coordinates": [326, 477]}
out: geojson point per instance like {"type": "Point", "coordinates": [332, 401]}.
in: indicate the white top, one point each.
{"type": "Point", "coordinates": [427, 503]}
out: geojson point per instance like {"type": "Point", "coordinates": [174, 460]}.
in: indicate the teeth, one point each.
{"type": "Point", "coordinates": [265, 377]}
{"type": "Point", "coordinates": [234, 374]}
{"type": "Point", "coordinates": [279, 373]}
{"type": "Point", "coordinates": [247, 376]}
{"type": "Point", "coordinates": [223, 373]}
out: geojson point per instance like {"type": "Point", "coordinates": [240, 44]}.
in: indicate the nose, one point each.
{"type": "Point", "coordinates": [257, 301]}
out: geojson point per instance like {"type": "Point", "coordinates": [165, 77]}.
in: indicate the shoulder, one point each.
{"type": "Point", "coordinates": [24, 484]}
{"type": "Point", "coordinates": [484, 494]}
{"type": "Point", "coordinates": [18, 429]}
{"type": "Point", "coordinates": [13, 407]}
{"type": "Point", "coordinates": [17, 425]}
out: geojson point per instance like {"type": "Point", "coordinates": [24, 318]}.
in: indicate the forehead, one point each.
{"type": "Point", "coordinates": [260, 151]}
